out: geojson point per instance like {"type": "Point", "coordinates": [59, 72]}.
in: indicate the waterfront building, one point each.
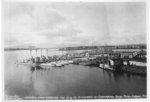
{"type": "Point", "coordinates": [141, 54]}
{"type": "Point", "coordinates": [127, 55]}
{"type": "Point", "coordinates": [114, 55]}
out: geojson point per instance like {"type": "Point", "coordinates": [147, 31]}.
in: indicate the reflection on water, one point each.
{"type": "Point", "coordinates": [70, 80]}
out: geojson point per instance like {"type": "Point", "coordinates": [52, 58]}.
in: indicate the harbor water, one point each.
{"type": "Point", "coordinates": [69, 80]}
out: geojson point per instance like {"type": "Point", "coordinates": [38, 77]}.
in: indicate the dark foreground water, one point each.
{"type": "Point", "coordinates": [70, 80]}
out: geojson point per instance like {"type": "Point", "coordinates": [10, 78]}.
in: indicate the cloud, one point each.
{"type": "Point", "coordinates": [46, 18]}
{"type": "Point", "coordinates": [73, 24]}
{"type": "Point", "coordinates": [42, 25]}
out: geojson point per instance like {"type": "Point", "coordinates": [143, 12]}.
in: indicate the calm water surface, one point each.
{"type": "Point", "coordinates": [70, 80]}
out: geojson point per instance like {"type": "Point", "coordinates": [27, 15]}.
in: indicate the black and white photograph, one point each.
{"type": "Point", "coordinates": [71, 50]}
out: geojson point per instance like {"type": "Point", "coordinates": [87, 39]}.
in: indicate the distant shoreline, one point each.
{"type": "Point", "coordinates": [19, 49]}
{"type": "Point", "coordinates": [132, 46]}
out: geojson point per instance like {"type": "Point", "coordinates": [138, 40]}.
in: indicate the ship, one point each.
{"type": "Point", "coordinates": [107, 67]}
{"type": "Point", "coordinates": [112, 64]}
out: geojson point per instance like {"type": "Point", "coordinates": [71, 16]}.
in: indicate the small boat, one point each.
{"type": "Point", "coordinates": [106, 67]}
{"type": "Point", "coordinates": [53, 63]}
{"type": "Point", "coordinates": [101, 65]}
{"type": "Point", "coordinates": [87, 63]}
{"type": "Point", "coordinates": [70, 62]}
{"type": "Point", "coordinates": [82, 63]}
{"type": "Point", "coordinates": [47, 65]}
{"type": "Point", "coordinates": [66, 62]}
{"type": "Point", "coordinates": [58, 65]}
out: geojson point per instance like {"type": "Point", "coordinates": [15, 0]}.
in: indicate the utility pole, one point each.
{"type": "Point", "coordinates": [31, 52]}
{"type": "Point", "coordinates": [36, 52]}
{"type": "Point", "coordinates": [41, 52]}
{"type": "Point", "coordinates": [47, 52]}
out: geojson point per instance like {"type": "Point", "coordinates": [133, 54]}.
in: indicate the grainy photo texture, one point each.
{"type": "Point", "coordinates": [74, 50]}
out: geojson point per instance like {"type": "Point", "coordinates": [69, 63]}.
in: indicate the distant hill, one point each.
{"type": "Point", "coordinates": [14, 49]}
{"type": "Point", "coordinates": [131, 46]}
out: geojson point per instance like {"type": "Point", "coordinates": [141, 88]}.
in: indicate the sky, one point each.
{"type": "Point", "coordinates": [61, 24]}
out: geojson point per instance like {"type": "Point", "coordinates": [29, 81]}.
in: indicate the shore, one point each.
{"type": "Point", "coordinates": [125, 61]}
{"type": "Point", "coordinates": [135, 69]}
